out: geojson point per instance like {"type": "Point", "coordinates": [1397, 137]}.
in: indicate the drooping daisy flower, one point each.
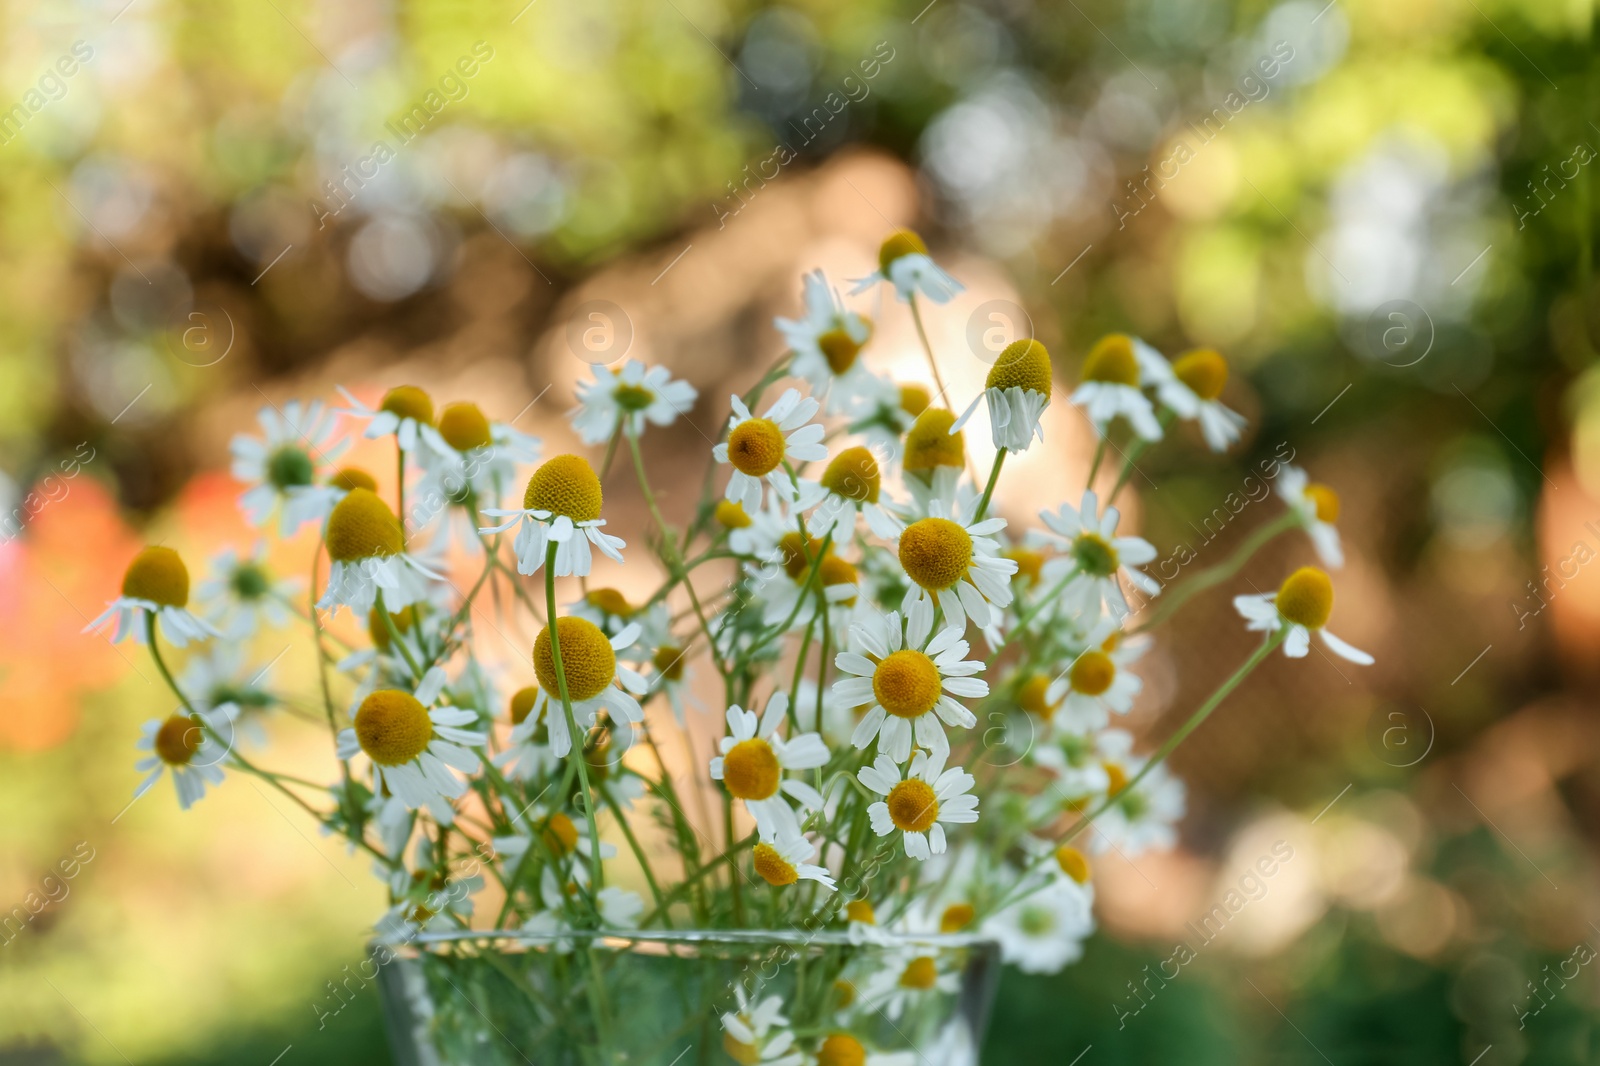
{"type": "Point", "coordinates": [753, 762]}
{"type": "Point", "coordinates": [403, 411]}
{"type": "Point", "coordinates": [628, 397]}
{"type": "Point", "coordinates": [1110, 388]}
{"type": "Point", "coordinates": [782, 860]}
{"type": "Point", "coordinates": [562, 506]}
{"type": "Point", "coordinates": [748, 1034]}
{"type": "Point", "coordinates": [155, 585]}
{"type": "Point", "coordinates": [1139, 819]}
{"type": "Point", "coordinates": [1017, 390]}
{"type": "Point", "coordinates": [369, 556]}
{"type": "Point", "coordinates": [1317, 507]}
{"type": "Point", "coordinates": [593, 676]}
{"type": "Point", "coordinates": [903, 262]}
{"type": "Point", "coordinates": [282, 468]}
{"type": "Point", "coordinates": [1044, 930]}
{"type": "Point", "coordinates": [180, 745]}
{"type": "Point", "coordinates": [827, 345]}
{"type": "Point", "coordinates": [907, 684]}
{"type": "Point", "coordinates": [955, 563]}
{"type": "Point", "coordinates": [1189, 386]}
{"type": "Point", "coordinates": [1087, 538]}
{"type": "Point", "coordinates": [242, 594]}
{"type": "Point", "coordinates": [854, 484]}
{"type": "Point", "coordinates": [758, 447]}
{"type": "Point", "coordinates": [1302, 603]}
{"type": "Point", "coordinates": [467, 453]}
{"type": "Point", "coordinates": [528, 753]}
{"type": "Point", "coordinates": [414, 744]}
{"type": "Point", "coordinates": [920, 805]}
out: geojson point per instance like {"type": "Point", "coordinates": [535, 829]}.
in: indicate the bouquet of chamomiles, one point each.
{"type": "Point", "coordinates": [918, 701]}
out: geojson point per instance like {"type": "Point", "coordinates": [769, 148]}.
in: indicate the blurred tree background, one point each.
{"type": "Point", "coordinates": [1381, 210]}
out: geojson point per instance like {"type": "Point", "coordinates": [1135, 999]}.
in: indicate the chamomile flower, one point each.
{"type": "Point", "coordinates": [403, 411]}
{"type": "Point", "coordinates": [1044, 930]}
{"type": "Point", "coordinates": [1017, 391]}
{"type": "Point", "coordinates": [561, 506]}
{"type": "Point", "coordinates": [606, 607]}
{"type": "Point", "coordinates": [626, 399]}
{"type": "Point", "coordinates": [560, 837]}
{"type": "Point", "coordinates": [753, 762]}
{"type": "Point", "coordinates": [827, 345]}
{"type": "Point", "coordinates": [843, 1049]}
{"type": "Point", "coordinates": [757, 1034]}
{"type": "Point", "coordinates": [1096, 682]}
{"type": "Point", "coordinates": [155, 586]}
{"type": "Point", "coordinates": [782, 860]}
{"type": "Point", "coordinates": [907, 683]}
{"type": "Point", "coordinates": [595, 680]}
{"type": "Point", "coordinates": [243, 595]}
{"type": "Point", "coordinates": [903, 262]}
{"type": "Point", "coordinates": [853, 481]}
{"type": "Point", "coordinates": [671, 677]}
{"type": "Point", "coordinates": [1110, 388]}
{"type": "Point", "coordinates": [1087, 538]}
{"type": "Point", "coordinates": [466, 454]}
{"type": "Point", "coordinates": [757, 449]}
{"type": "Point", "coordinates": [281, 467]}
{"type": "Point", "coordinates": [908, 979]}
{"type": "Point", "coordinates": [415, 744]}
{"type": "Point", "coordinates": [217, 674]}
{"type": "Point", "coordinates": [1189, 387]}
{"type": "Point", "coordinates": [618, 909]}
{"type": "Point", "coordinates": [920, 804]}
{"type": "Point", "coordinates": [1302, 603]}
{"type": "Point", "coordinates": [1317, 507]}
{"type": "Point", "coordinates": [884, 412]}
{"type": "Point", "coordinates": [956, 563]}
{"type": "Point", "coordinates": [369, 556]}
{"type": "Point", "coordinates": [528, 753]}
{"type": "Point", "coordinates": [789, 588]}
{"type": "Point", "coordinates": [1077, 774]}
{"type": "Point", "coordinates": [183, 747]}
{"type": "Point", "coordinates": [1141, 818]}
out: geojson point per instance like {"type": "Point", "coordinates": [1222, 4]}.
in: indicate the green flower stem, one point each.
{"type": "Point", "coordinates": [1134, 452]}
{"type": "Point", "coordinates": [1221, 572]}
{"type": "Point", "coordinates": [638, 852]}
{"type": "Point", "coordinates": [394, 637]}
{"type": "Point", "coordinates": [933, 363]}
{"type": "Point", "coordinates": [1038, 605]}
{"type": "Point", "coordinates": [1099, 456]}
{"type": "Point", "coordinates": [577, 740]}
{"type": "Point", "coordinates": [400, 480]}
{"type": "Point", "coordinates": [988, 490]}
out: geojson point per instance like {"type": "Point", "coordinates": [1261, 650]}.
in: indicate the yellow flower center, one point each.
{"type": "Point", "coordinates": [853, 474]}
{"type": "Point", "coordinates": [839, 349]}
{"type": "Point", "coordinates": [906, 683]}
{"type": "Point", "coordinates": [1306, 598]}
{"type": "Point", "coordinates": [1023, 365]}
{"type": "Point", "coordinates": [844, 994]}
{"type": "Point", "coordinates": [1073, 863]}
{"type": "Point", "coordinates": [731, 515]}
{"type": "Point", "coordinates": [930, 444]}
{"type": "Point", "coordinates": [912, 805]}
{"type": "Point", "coordinates": [1029, 563]}
{"type": "Point", "coordinates": [586, 658]}
{"type": "Point", "coordinates": [352, 477]}
{"type": "Point", "coordinates": [859, 910]}
{"type": "Point", "coordinates": [750, 770]}
{"type": "Point", "coordinates": [408, 401]}
{"type": "Point", "coordinates": [1203, 370]}
{"type": "Point", "coordinates": [560, 835]}
{"type": "Point", "coordinates": [1030, 697]}
{"type": "Point", "coordinates": [379, 632]}
{"type": "Point", "coordinates": [522, 702]}
{"type": "Point", "coordinates": [157, 574]}
{"type": "Point", "coordinates": [1112, 641]}
{"type": "Point", "coordinates": [362, 526]}
{"type": "Point", "coordinates": [797, 554]}
{"type": "Point", "coordinates": [464, 427]}
{"type": "Point", "coordinates": [740, 1052]}
{"type": "Point", "coordinates": [668, 661]}
{"type": "Point", "coordinates": [837, 571]}
{"type": "Point", "coordinates": [1325, 500]}
{"type": "Point", "coordinates": [609, 601]}
{"type": "Point", "coordinates": [1112, 360]}
{"type": "Point", "coordinates": [632, 397]}
{"type": "Point", "coordinates": [914, 399]}
{"type": "Point", "coordinates": [755, 446]}
{"type": "Point", "coordinates": [935, 552]}
{"type": "Point", "coordinates": [178, 739]}
{"type": "Point", "coordinates": [1092, 673]}
{"type": "Point", "coordinates": [772, 867]}
{"type": "Point", "coordinates": [897, 244]}
{"type": "Point", "coordinates": [565, 485]}
{"type": "Point", "coordinates": [956, 917]}
{"type": "Point", "coordinates": [920, 973]}
{"type": "Point", "coordinates": [841, 1049]}
{"type": "Point", "coordinates": [393, 727]}
{"type": "Point", "coordinates": [1095, 555]}
{"type": "Point", "coordinates": [1118, 778]}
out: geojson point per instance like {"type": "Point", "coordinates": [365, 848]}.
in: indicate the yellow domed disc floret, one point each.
{"type": "Point", "coordinates": [1095, 555]}
{"type": "Point", "coordinates": [668, 661]}
{"type": "Point", "coordinates": [157, 574]}
{"type": "Point", "coordinates": [841, 1049]}
{"type": "Point", "coordinates": [930, 444]}
{"type": "Point", "coordinates": [522, 702]}
{"type": "Point", "coordinates": [1117, 778]}
{"type": "Point", "coordinates": [914, 399]}
{"type": "Point", "coordinates": [1073, 863]}
{"type": "Point", "coordinates": [379, 631]}
{"type": "Point", "coordinates": [751, 770]}
{"type": "Point", "coordinates": [839, 349]}
{"type": "Point", "coordinates": [740, 1052]}
{"type": "Point", "coordinates": [899, 243]}
{"type": "Point", "coordinates": [1022, 365]}
{"type": "Point", "coordinates": [1111, 360]}
{"type": "Point", "coordinates": [920, 973]}
{"type": "Point", "coordinates": [565, 485]}
{"type": "Point", "coordinates": [1092, 673]}
{"type": "Point", "coordinates": [1030, 697]}
{"type": "Point", "coordinates": [860, 910]}
{"type": "Point", "coordinates": [352, 477]}
{"type": "Point", "coordinates": [731, 515]}
{"type": "Point", "coordinates": [797, 554]}
{"type": "Point", "coordinates": [178, 739]}
{"type": "Point", "coordinates": [755, 446]}
{"type": "Point", "coordinates": [906, 683]}
{"type": "Point", "coordinates": [773, 868]}
{"type": "Point", "coordinates": [560, 835]}
{"type": "Point", "coordinates": [1325, 500]}
{"type": "Point", "coordinates": [935, 552]}
{"type": "Point", "coordinates": [837, 571]}
{"type": "Point", "coordinates": [912, 805]}
{"type": "Point", "coordinates": [408, 401]}
{"type": "Point", "coordinates": [609, 601]}
{"type": "Point", "coordinates": [956, 917]}
{"type": "Point", "coordinates": [393, 727]}
{"type": "Point", "coordinates": [586, 658]}
{"type": "Point", "coordinates": [362, 526]}
{"type": "Point", "coordinates": [464, 427]}
{"type": "Point", "coordinates": [1203, 370]}
{"type": "Point", "coordinates": [1029, 563]}
{"type": "Point", "coordinates": [854, 474]}
{"type": "Point", "coordinates": [1306, 598]}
